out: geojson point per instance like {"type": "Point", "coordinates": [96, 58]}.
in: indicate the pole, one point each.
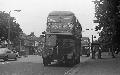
{"type": "Point", "coordinates": [9, 31]}
{"type": "Point", "coordinates": [93, 52]}
{"type": "Point", "coordinates": [92, 38]}
{"type": "Point", "coordinates": [20, 45]}
{"type": "Point", "coordinates": [9, 28]}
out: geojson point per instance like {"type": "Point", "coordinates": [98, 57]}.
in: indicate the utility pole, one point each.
{"type": "Point", "coordinates": [10, 27]}
{"type": "Point", "coordinates": [93, 51]}
{"type": "Point", "coordinates": [9, 31]}
{"type": "Point", "coordinates": [92, 38]}
{"type": "Point", "coordinates": [20, 45]}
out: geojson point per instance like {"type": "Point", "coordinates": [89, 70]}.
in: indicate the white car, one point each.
{"type": "Point", "coordinates": [7, 54]}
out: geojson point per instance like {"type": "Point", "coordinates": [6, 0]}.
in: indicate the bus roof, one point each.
{"type": "Point", "coordinates": [59, 33]}
{"type": "Point", "coordinates": [61, 13]}
{"type": "Point", "coordinates": [85, 38]}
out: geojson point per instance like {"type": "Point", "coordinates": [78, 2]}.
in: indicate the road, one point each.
{"type": "Point", "coordinates": [32, 65]}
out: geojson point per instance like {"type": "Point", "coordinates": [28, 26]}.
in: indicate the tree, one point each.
{"type": "Point", "coordinates": [15, 29]}
{"type": "Point", "coordinates": [108, 19]}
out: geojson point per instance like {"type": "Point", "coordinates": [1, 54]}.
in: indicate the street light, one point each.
{"type": "Point", "coordinates": [9, 27]}
{"type": "Point", "coordinates": [93, 53]}
{"type": "Point", "coordinates": [92, 35]}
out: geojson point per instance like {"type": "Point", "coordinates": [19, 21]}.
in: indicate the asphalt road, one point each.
{"type": "Point", "coordinates": [32, 65]}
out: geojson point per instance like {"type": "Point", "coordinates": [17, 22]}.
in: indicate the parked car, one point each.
{"type": "Point", "coordinates": [23, 53]}
{"type": "Point", "coordinates": [2, 53]}
{"type": "Point", "coordinates": [7, 54]}
{"type": "Point", "coordinates": [17, 53]}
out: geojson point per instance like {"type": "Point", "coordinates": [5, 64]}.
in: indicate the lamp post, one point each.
{"type": "Point", "coordinates": [9, 31]}
{"type": "Point", "coordinates": [20, 45]}
{"type": "Point", "coordinates": [92, 36]}
{"type": "Point", "coordinates": [9, 27]}
{"type": "Point", "coordinates": [93, 52]}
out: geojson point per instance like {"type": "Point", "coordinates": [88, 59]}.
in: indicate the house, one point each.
{"type": "Point", "coordinates": [31, 43]}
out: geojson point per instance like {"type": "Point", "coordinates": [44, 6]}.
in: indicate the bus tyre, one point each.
{"type": "Point", "coordinates": [73, 61]}
{"type": "Point", "coordinates": [78, 60]}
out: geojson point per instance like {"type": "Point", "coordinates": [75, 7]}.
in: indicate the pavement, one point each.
{"type": "Point", "coordinates": [105, 66]}
{"type": "Point", "coordinates": [31, 58]}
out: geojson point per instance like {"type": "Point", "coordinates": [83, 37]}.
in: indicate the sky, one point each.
{"type": "Point", "coordinates": [33, 15]}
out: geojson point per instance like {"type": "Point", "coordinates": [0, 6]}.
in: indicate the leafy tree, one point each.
{"type": "Point", "coordinates": [107, 15]}
{"type": "Point", "coordinates": [15, 29]}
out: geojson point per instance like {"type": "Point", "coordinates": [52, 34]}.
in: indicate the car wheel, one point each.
{"type": "Point", "coordinates": [78, 60]}
{"type": "Point", "coordinates": [5, 58]}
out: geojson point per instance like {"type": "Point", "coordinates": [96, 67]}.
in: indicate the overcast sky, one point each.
{"type": "Point", "coordinates": [32, 17]}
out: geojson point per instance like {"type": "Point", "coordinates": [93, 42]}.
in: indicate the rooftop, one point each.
{"type": "Point", "coordinates": [61, 13]}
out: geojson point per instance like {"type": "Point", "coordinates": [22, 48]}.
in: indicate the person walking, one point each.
{"type": "Point", "coordinates": [99, 52]}
{"type": "Point", "coordinates": [93, 52]}
{"type": "Point", "coordinates": [117, 50]}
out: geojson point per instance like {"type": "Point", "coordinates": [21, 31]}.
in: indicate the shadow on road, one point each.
{"type": "Point", "coordinates": [60, 65]}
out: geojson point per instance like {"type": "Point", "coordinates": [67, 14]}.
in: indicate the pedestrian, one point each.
{"type": "Point", "coordinates": [93, 52]}
{"type": "Point", "coordinates": [117, 50]}
{"type": "Point", "coordinates": [99, 52]}
{"type": "Point", "coordinates": [96, 51]}
{"type": "Point", "coordinates": [112, 51]}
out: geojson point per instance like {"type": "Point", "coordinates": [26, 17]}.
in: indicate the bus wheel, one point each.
{"type": "Point", "coordinates": [78, 60]}
{"type": "Point", "coordinates": [73, 61]}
